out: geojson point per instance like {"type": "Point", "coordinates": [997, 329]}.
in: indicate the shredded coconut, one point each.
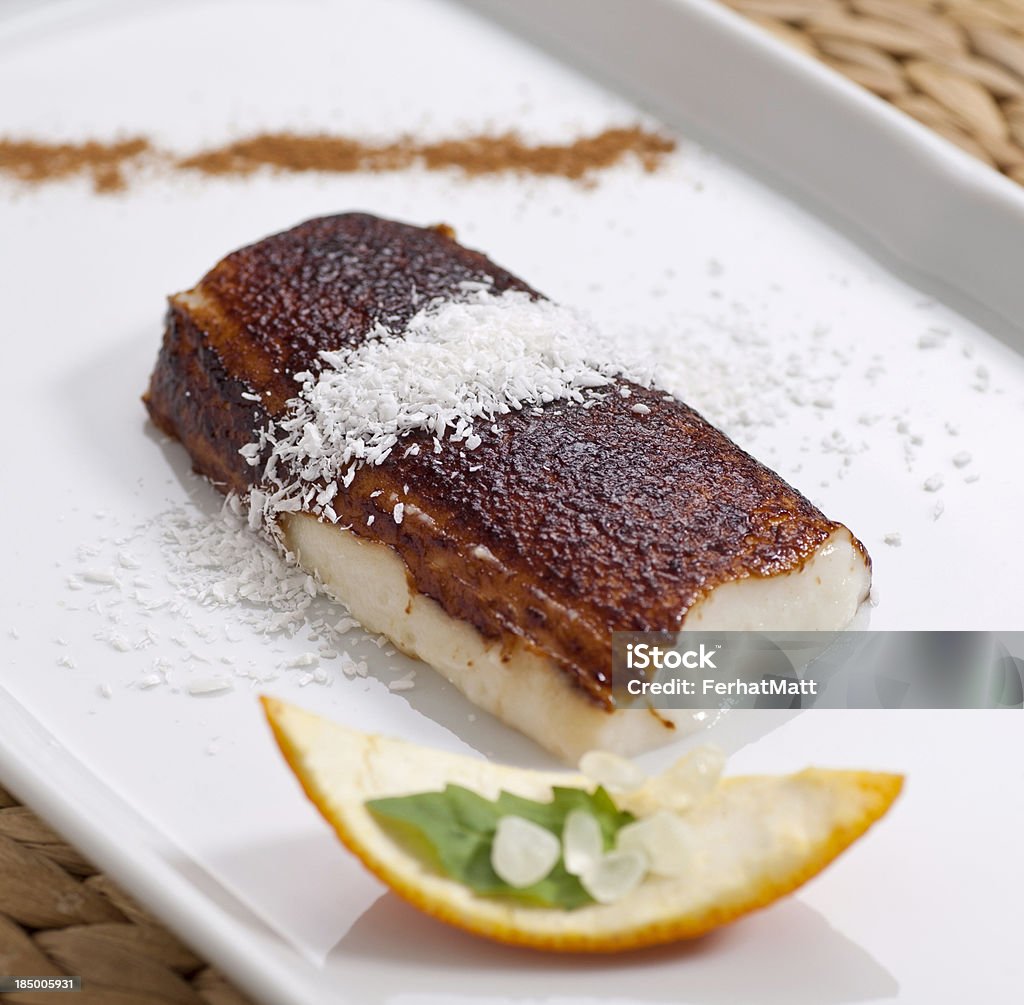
{"type": "Point", "coordinates": [406, 683]}
{"type": "Point", "coordinates": [457, 362]}
{"type": "Point", "coordinates": [210, 685]}
{"type": "Point", "coordinates": [100, 577]}
{"type": "Point", "coordinates": [214, 584]}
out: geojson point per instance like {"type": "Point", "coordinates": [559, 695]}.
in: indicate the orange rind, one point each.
{"type": "Point", "coordinates": [757, 838]}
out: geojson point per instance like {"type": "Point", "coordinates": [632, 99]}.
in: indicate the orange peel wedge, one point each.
{"type": "Point", "coordinates": [758, 837]}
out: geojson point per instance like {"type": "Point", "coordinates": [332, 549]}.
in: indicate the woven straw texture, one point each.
{"type": "Point", "coordinates": [955, 65]}
{"type": "Point", "coordinates": [58, 915]}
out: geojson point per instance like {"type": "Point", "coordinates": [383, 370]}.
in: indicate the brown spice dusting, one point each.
{"type": "Point", "coordinates": [475, 155]}
{"type": "Point", "coordinates": [37, 162]}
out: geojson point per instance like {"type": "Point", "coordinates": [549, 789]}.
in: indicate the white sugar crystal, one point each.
{"type": "Point", "coordinates": [304, 660]}
{"type": "Point", "coordinates": [663, 839]}
{"type": "Point", "coordinates": [962, 459]}
{"type": "Point", "coordinates": [614, 876]}
{"type": "Point", "coordinates": [611, 770]}
{"type": "Point", "coordinates": [582, 841]}
{"type": "Point", "coordinates": [933, 483]}
{"type": "Point", "coordinates": [893, 539]}
{"type": "Point", "coordinates": [399, 512]}
{"type": "Point", "coordinates": [640, 409]}
{"type": "Point", "coordinates": [688, 780]}
{"type": "Point", "coordinates": [104, 691]}
{"type": "Point", "coordinates": [406, 683]}
{"type": "Point", "coordinates": [523, 852]}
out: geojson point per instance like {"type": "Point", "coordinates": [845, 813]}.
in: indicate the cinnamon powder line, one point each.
{"type": "Point", "coordinates": [110, 165]}
{"type": "Point", "coordinates": [35, 162]}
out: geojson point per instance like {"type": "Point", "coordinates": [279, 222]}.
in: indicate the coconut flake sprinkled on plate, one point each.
{"type": "Point", "coordinates": [216, 584]}
{"type": "Point", "coordinates": [210, 685]}
{"type": "Point", "coordinates": [406, 683]}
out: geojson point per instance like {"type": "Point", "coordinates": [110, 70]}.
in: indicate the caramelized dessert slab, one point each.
{"type": "Point", "coordinates": [505, 558]}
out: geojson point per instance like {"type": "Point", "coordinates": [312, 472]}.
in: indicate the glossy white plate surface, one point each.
{"type": "Point", "coordinates": [854, 385]}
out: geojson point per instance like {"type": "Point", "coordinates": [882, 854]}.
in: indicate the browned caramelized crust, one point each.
{"type": "Point", "coordinates": [265, 312]}
{"type": "Point", "coordinates": [561, 527]}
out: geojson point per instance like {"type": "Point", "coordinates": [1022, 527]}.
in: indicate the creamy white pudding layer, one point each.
{"type": "Point", "coordinates": [527, 690]}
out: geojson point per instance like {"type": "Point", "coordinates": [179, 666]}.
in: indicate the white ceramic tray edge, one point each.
{"type": "Point", "coordinates": [946, 221]}
{"type": "Point", "coordinates": [138, 859]}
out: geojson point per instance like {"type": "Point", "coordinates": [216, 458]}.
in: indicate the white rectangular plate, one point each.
{"type": "Point", "coordinates": [852, 384]}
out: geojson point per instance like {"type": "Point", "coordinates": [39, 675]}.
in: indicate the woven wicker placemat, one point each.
{"type": "Point", "coordinates": [59, 916]}
{"type": "Point", "coordinates": [955, 65]}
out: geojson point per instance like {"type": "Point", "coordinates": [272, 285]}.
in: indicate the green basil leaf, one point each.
{"type": "Point", "coordinates": [454, 831]}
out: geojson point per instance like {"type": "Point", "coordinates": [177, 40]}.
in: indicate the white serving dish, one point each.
{"type": "Point", "coordinates": [183, 798]}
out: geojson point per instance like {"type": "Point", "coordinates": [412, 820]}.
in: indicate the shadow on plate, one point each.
{"type": "Point", "coordinates": [788, 955]}
{"type": "Point", "coordinates": [107, 420]}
